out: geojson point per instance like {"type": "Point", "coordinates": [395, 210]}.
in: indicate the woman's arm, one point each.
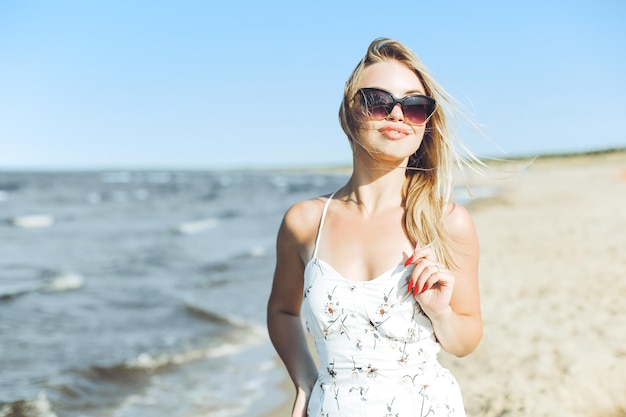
{"type": "Point", "coordinates": [451, 299]}
{"type": "Point", "coordinates": [283, 311]}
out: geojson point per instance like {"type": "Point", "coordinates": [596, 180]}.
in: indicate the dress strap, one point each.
{"type": "Point", "coordinates": [319, 229]}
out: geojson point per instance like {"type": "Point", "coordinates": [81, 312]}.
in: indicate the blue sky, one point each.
{"type": "Point", "coordinates": [202, 85]}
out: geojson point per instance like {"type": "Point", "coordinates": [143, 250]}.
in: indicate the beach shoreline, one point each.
{"type": "Point", "coordinates": [551, 273]}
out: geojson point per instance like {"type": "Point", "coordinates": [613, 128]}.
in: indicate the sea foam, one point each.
{"type": "Point", "coordinates": [197, 226]}
{"type": "Point", "coordinates": [33, 221]}
{"type": "Point", "coordinates": [64, 282]}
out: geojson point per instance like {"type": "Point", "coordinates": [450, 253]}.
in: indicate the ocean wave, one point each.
{"type": "Point", "coordinates": [152, 363]}
{"type": "Point", "coordinates": [36, 407]}
{"type": "Point", "coordinates": [215, 267]}
{"type": "Point", "coordinates": [10, 186]}
{"type": "Point", "coordinates": [257, 252]}
{"type": "Point", "coordinates": [119, 177]}
{"type": "Point", "coordinates": [226, 319]}
{"type": "Point", "coordinates": [247, 336]}
{"type": "Point", "coordinates": [63, 282]}
{"type": "Point", "coordinates": [295, 184]}
{"type": "Point", "coordinates": [196, 226]}
{"type": "Point", "coordinates": [117, 385]}
{"type": "Point", "coordinates": [11, 295]}
{"type": "Point", "coordinates": [33, 221]}
{"type": "Point", "coordinates": [95, 197]}
{"type": "Point", "coordinates": [230, 214]}
{"type": "Point", "coordinates": [223, 272]}
{"type": "Point", "coordinates": [19, 281]}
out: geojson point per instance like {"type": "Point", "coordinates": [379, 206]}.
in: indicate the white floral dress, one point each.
{"type": "Point", "coordinates": [377, 349]}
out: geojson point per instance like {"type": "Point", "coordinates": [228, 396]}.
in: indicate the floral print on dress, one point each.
{"type": "Point", "coordinates": [377, 349]}
{"type": "Point", "coordinates": [336, 317]}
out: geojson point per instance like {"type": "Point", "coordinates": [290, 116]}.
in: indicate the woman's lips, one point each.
{"type": "Point", "coordinates": [394, 132]}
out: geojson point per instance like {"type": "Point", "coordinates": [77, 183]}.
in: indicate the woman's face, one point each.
{"type": "Point", "coordinates": [394, 138]}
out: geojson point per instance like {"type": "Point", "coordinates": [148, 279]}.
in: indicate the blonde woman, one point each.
{"type": "Point", "coordinates": [385, 269]}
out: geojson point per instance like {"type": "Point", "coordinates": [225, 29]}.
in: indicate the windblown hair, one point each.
{"type": "Point", "coordinates": [429, 172]}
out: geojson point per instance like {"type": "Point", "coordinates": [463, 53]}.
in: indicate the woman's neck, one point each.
{"type": "Point", "coordinates": [375, 189]}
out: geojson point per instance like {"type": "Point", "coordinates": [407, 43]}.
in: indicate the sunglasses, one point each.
{"type": "Point", "coordinates": [378, 104]}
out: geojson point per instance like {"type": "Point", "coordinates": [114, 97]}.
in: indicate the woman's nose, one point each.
{"type": "Point", "coordinates": [396, 113]}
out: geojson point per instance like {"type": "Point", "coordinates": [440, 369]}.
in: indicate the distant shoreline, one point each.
{"type": "Point", "coordinates": [565, 155]}
{"type": "Point", "coordinates": [322, 168]}
{"type": "Point", "coordinates": [596, 153]}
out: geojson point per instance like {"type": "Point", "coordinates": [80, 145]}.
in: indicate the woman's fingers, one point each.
{"type": "Point", "coordinates": [415, 256]}
{"type": "Point", "coordinates": [425, 267]}
{"type": "Point", "coordinates": [412, 258]}
{"type": "Point", "coordinates": [425, 274]}
{"type": "Point", "coordinates": [419, 253]}
{"type": "Point", "coordinates": [429, 276]}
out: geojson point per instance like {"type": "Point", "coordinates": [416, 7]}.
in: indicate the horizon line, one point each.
{"type": "Point", "coordinates": [287, 166]}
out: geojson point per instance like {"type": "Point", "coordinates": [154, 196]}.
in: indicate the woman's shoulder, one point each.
{"type": "Point", "coordinates": [459, 221]}
{"type": "Point", "coordinates": [302, 219]}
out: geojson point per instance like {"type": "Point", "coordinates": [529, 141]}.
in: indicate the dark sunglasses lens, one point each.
{"type": "Point", "coordinates": [376, 104]}
{"type": "Point", "coordinates": [417, 110]}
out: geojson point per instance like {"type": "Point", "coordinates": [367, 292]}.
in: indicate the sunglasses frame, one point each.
{"type": "Point", "coordinates": [429, 102]}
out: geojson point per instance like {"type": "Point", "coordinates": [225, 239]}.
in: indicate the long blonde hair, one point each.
{"type": "Point", "coordinates": [429, 172]}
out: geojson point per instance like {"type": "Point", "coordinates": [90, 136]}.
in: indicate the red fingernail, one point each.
{"type": "Point", "coordinates": [409, 261]}
{"type": "Point", "coordinates": [411, 283]}
{"type": "Point", "coordinates": [423, 290]}
{"type": "Point", "coordinates": [415, 291]}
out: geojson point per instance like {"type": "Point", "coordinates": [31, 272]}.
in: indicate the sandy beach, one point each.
{"type": "Point", "coordinates": [553, 284]}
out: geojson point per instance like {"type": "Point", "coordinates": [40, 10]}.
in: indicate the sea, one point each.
{"type": "Point", "coordinates": [141, 293]}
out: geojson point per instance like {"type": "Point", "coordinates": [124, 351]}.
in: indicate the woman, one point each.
{"type": "Point", "coordinates": [384, 270]}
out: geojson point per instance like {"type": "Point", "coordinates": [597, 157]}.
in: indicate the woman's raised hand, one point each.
{"type": "Point", "coordinates": [430, 282]}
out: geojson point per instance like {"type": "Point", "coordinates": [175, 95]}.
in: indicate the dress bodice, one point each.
{"type": "Point", "coordinates": [376, 347]}
{"type": "Point", "coordinates": [369, 329]}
